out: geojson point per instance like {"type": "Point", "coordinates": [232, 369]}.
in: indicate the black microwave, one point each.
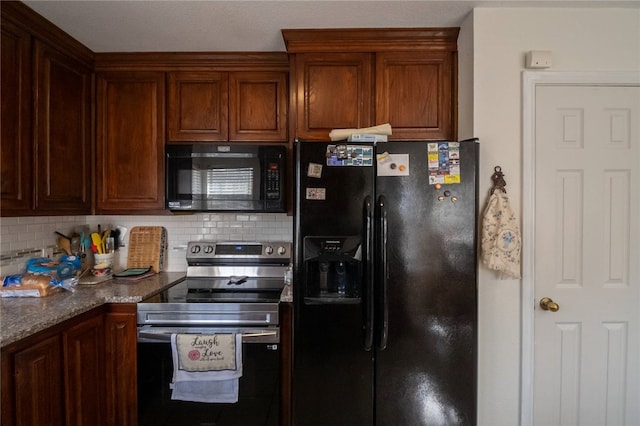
{"type": "Point", "coordinates": [218, 177]}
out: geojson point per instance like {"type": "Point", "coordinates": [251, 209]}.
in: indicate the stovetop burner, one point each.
{"type": "Point", "coordinates": [218, 290]}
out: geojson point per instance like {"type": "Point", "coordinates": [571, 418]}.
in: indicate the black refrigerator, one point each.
{"type": "Point", "coordinates": [385, 294]}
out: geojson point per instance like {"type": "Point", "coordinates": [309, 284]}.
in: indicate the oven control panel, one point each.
{"type": "Point", "coordinates": [278, 252]}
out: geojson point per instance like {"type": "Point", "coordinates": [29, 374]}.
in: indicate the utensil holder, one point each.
{"type": "Point", "coordinates": [103, 258]}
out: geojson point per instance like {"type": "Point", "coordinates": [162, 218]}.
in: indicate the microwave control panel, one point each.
{"type": "Point", "coordinates": [273, 181]}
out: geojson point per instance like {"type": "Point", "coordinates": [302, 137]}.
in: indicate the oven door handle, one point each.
{"type": "Point", "coordinates": [146, 334]}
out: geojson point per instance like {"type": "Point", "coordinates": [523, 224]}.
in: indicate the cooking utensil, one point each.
{"type": "Point", "coordinates": [63, 235]}
{"type": "Point", "coordinates": [84, 272]}
{"type": "Point", "coordinates": [105, 235]}
{"type": "Point", "coordinates": [123, 230]}
{"type": "Point", "coordinates": [65, 244]}
{"type": "Point", "coordinates": [97, 241]}
{"type": "Point", "coordinates": [75, 243]}
{"type": "Point", "coordinates": [237, 280]}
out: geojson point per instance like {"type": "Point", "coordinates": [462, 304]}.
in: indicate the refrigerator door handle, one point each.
{"type": "Point", "coordinates": [369, 273]}
{"type": "Point", "coordinates": [382, 274]}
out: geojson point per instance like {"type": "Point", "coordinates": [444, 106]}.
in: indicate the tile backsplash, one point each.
{"type": "Point", "coordinates": [25, 237]}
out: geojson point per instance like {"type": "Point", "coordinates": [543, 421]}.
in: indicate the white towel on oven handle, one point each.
{"type": "Point", "coordinates": [206, 386]}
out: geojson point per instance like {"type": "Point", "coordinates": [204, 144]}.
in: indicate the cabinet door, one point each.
{"type": "Point", "coordinates": [121, 365]}
{"type": "Point", "coordinates": [83, 345]}
{"type": "Point", "coordinates": [414, 93]}
{"type": "Point", "coordinates": [258, 106]}
{"type": "Point", "coordinates": [130, 142]}
{"type": "Point", "coordinates": [198, 106]}
{"type": "Point", "coordinates": [334, 90]}
{"type": "Point", "coordinates": [62, 132]}
{"type": "Point", "coordinates": [16, 147]}
{"type": "Point", "coordinates": [38, 384]}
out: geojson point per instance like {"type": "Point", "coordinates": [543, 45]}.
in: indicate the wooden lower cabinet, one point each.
{"type": "Point", "coordinates": [31, 384]}
{"type": "Point", "coordinates": [121, 364]}
{"type": "Point", "coordinates": [80, 372]}
{"type": "Point", "coordinates": [84, 383]}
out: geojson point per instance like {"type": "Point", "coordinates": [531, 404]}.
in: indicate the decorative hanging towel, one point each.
{"type": "Point", "coordinates": [500, 236]}
{"type": "Point", "coordinates": [206, 368]}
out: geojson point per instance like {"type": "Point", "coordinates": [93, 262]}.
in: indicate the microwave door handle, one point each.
{"type": "Point", "coordinates": [368, 274]}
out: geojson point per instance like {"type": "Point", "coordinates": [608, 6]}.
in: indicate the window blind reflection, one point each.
{"type": "Point", "coordinates": [223, 182]}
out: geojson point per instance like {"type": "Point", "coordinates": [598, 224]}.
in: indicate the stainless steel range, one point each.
{"type": "Point", "coordinates": [230, 287]}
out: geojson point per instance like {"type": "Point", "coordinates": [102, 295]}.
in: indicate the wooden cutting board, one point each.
{"type": "Point", "coordinates": [147, 247]}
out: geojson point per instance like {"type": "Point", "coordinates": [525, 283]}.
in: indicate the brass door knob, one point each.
{"type": "Point", "coordinates": [549, 305]}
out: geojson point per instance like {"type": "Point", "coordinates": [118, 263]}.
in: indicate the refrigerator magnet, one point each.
{"type": "Point", "coordinates": [393, 165]}
{"type": "Point", "coordinates": [314, 170]}
{"type": "Point", "coordinates": [316, 194]}
{"type": "Point", "coordinates": [444, 162]}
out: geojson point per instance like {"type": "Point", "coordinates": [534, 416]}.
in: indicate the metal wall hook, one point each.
{"type": "Point", "coordinates": [498, 180]}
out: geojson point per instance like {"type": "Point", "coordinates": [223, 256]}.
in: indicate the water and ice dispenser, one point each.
{"type": "Point", "coordinates": [332, 269]}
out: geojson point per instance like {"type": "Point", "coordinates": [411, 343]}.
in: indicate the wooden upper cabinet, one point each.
{"type": "Point", "coordinates": [46, 117]}
{"type": "Point", "coordinates": [130, 142]}
{"type": "Point", "coordinates": [62, 132]}
{"type": "Point", "coordinates": [198, 106]}
{"type": "Point", "coordinates": [414, 93]}
{"type": "Point", "coordinates": [16, 145]}
{"type": "Point", "coordinates": [334, 90]}
{"type": "Point", "coordinates": [354, 78]}
{"type": "Point", "coordinates": [227, 106]}
{"type": "Point", "coordinates": [258, 106]}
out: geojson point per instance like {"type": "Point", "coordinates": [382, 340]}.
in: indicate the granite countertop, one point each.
{"type": "Point", "coordinates": [22, 317]}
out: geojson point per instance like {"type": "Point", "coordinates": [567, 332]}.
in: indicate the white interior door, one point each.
{"type": "Point", "coordinates": [586, 255]}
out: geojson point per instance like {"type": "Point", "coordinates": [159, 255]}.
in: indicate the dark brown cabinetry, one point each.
{"type": "Point", "coordinates": [334, 91]}
{"type": "Point", "coordinates": [208, 97]}
{"type": "Point", "coordinates": [46, 124]}
{"type": "Point", "coordinates": [415, 93]}
{"type": "Point", "coordinates": [198, 106]}
{"type": "Point", "coordinates": [258, 106]}
{"type": "Point", "coordinates": [16, 145]}
{"type": "Point", "coordinates": [57, 376]}
{"type": "Point", "coordinates": [121, 365]}
{"type": "Point", "coordinates": [62, 123]}
{"type": "Point", "coordinates": [79, 372]}
{"type": "Point", "coordinates": [227, 106]}
{"type": "Point", "coordinates": [84, 383]}
{"type": "Point", "coordinates": [355, 78]}
{"type": "Point", "coordinates": [130, 142]}
{"type": "Point", "coordinates": [31, 384]}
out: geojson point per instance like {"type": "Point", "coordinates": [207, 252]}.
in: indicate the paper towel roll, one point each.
{"type": "Point", "coordinates": [342, 134]}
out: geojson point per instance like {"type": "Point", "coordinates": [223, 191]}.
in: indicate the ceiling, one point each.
{"type": "Point", "coordinates": [241, 25]}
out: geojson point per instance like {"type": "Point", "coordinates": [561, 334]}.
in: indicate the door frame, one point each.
{"type": "Point", "coordinates": [530, 81]}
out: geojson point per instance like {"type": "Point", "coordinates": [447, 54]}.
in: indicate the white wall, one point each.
{"type": "Point", "coordinates": [581, 40]}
